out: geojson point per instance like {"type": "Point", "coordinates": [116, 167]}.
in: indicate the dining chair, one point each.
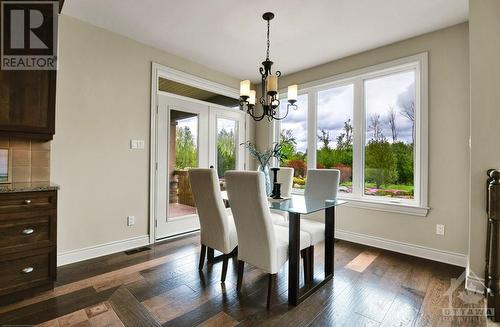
{"type": "Point", "coordinates": [218, 231]}
{"type": "Point", "coordinates": [260, 242]}
{"type": "Point", "coordinates": [285, 177]}
{"type": "Point", "coordinates": [320, 184]}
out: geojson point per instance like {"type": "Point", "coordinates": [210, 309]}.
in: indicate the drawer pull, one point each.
{"type": "Point", "coordinates": [27, 270]}
{"type": "Point", "coordinates": [28, 231]}
{"type": "Point", "coordinates": [27, 202]}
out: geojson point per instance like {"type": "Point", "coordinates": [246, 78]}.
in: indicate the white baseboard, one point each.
{"type": "Point", "coordinates": [91, 252]}
{"type": "Point", "coordinates": [456, 259]}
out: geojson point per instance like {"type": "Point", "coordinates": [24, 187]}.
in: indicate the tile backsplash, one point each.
{"type": "Point", "coordinates": [30, 159]}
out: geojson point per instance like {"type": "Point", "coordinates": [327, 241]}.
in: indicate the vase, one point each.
{"type": "Point", "coordinates": [267, 178]}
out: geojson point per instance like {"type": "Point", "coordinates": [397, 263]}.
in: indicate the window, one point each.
{"type": "Point", "coordinates": [334, 132]}
{"type": "Point", "coordinates": [293, 132]}
{"type": "Point", "coordinates": [371, 125]}
{"type": "Point", "coordinates": [389, 141]}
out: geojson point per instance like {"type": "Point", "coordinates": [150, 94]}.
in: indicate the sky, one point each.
{"type": "Point", "coordinates": [335, 106]}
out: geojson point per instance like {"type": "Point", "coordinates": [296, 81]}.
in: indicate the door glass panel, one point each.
{"type": "Point", "coordinates": [227, 130]}
{"type": "Point", "coordinates": [183, 145]}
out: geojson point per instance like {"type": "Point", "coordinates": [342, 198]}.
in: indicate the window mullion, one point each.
{"type": "Point", "coordinates": [312, 116]}
{"type": "Point", "coordinates": [358, 139]}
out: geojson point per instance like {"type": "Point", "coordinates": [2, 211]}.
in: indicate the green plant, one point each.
{"type": "Point", "coordinates": [263, 157]}
{"type": "Point", "coordinates": [185, 149]}
{"type": "Point", "coordinates": [226, 151]}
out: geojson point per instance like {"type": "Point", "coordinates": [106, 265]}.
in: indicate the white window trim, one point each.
{"type": "Point", "coordinates": [419, 62]}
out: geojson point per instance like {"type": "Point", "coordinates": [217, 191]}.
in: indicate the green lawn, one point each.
{"type": "Point", "coordinates": [407, 188]}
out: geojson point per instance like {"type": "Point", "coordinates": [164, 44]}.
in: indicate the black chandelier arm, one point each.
{"type": "Point", "coordinates": [255, 117]}
{"type": "Point", "coordinates": [278, 73]}
{"type": "Point", "coordinates": [282, 117]}
{"type": "Point", "coordinates": [262, 101]}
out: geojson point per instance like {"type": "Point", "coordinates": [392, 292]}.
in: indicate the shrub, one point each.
{"type": "Point", "coordinates": [404, 162]}
{"type": "Point", "coordinates": [380, 163]}
{"type": "Point", "coordinates": [299, 181]}
{"type": "Point", "coordinates": [299, 166]}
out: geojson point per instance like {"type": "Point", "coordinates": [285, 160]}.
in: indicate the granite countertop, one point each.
{"type": "Point", "coordinates": [28, 187]}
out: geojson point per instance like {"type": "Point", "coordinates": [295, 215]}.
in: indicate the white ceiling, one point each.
{"type": "Point", "coordinates": [229, 35]}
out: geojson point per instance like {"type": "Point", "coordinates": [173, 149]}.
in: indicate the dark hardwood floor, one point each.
{"type": "Point", "coordinates": [162, 286]}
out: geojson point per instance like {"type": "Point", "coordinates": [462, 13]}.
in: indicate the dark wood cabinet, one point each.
{"type": "Point", "coordinates": [28, 243]}
{"type": "Point", "coordinates": [27, 103]}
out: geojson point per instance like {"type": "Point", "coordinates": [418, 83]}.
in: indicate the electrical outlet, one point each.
{"type": "Point", "coordinates": [439, 229]}
{"type": "Point", "coordinates": [130, 220]}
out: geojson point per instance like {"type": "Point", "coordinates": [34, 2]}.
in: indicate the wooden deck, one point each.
{"type": "Point", "coordinates": [162, 286]}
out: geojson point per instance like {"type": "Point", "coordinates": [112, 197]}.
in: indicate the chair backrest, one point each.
{"type": "Point", "coordinates": [248, 200]}
{"type": "Point", "coordinates": [285, 177]}
{"type": "Point", "coordinates": [211, 210]}
{"type": "Point", "coordinates": [322, 183]}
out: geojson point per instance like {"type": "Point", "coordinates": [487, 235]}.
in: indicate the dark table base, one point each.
{"type": "Point", "coordinates": [295, 293]}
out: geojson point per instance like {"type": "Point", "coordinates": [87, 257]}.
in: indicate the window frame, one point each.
{"type": "Point", "coordinates": [419, 63]}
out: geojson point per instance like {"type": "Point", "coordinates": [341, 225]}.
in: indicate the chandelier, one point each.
{"type": "Point", "coordinates": [270, 97]}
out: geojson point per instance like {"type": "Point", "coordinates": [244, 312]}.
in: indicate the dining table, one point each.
{"type": "Point", "coordinates": [296, 206]}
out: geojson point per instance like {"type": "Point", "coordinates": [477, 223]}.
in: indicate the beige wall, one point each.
{"type": "Point", "coordinates": [103, 101]}
{"type": "Point", "coordinates": [485, 115]}
{"type": "Point", "coordinates": [448, 139]}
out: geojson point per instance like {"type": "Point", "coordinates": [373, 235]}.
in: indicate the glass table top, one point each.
{"type": "Point", "coordinates": [299, 204]}
{"type": "Point", "coordinates": [303, 204]}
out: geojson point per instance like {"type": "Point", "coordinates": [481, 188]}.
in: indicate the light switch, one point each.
{"type": "Point", "coordinates": [137, 144]}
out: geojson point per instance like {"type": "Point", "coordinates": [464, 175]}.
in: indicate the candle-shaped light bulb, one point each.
{"type": "Point", "coordinates": [275, 100]}
{"type": "Point", "coordinates": [251, 100]}
{"type": "Point", "coordinates": [245, 88]}
{"type": "Point", "coordinates": [272, 84]}
{"type": "Point", "coordinates": [292, 92]}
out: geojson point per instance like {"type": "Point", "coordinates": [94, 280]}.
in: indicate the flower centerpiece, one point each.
{"type": "Point", "coordinates": [264, 158]}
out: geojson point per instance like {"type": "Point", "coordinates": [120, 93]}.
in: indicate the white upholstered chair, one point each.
{"type": "Point", "coordinates": [218, 231]}
{"type": "Point", "coordinates": [260, 242]}
{"type": "Point", "coordinates": [285, 177]}
{"type": "Point", "coordinates": [322, 183]}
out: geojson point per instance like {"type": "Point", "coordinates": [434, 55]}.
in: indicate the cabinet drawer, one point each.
{"type": "Point", "coordinates": [30, 230]}
{"type": "Point", "coordinates": [23, 201]}
{"type": "Point", "coordinates": [26, 269]}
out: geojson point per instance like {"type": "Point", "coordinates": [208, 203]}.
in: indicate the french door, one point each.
{"type": "Point", "coordinates": [191, 134]}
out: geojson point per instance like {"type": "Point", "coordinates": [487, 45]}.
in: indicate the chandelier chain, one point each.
{"type": "Point", "coordinates": [268, 42]}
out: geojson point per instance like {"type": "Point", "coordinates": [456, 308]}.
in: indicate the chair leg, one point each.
{"type": "Point", "coordinates": [311, 264]}
{"type": "Point", "coordinates": [224, 267]}
{"type": "Point", "coordinates": [305, 259]}
{"type": "Point", "coordinates": [270, 289]}
{"type": "Point", "coordinates": [241, 268]}
{"type": "Point", "coordinates": [210, 255]}
{"type": "Point", "coordinates": [202, 256]}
